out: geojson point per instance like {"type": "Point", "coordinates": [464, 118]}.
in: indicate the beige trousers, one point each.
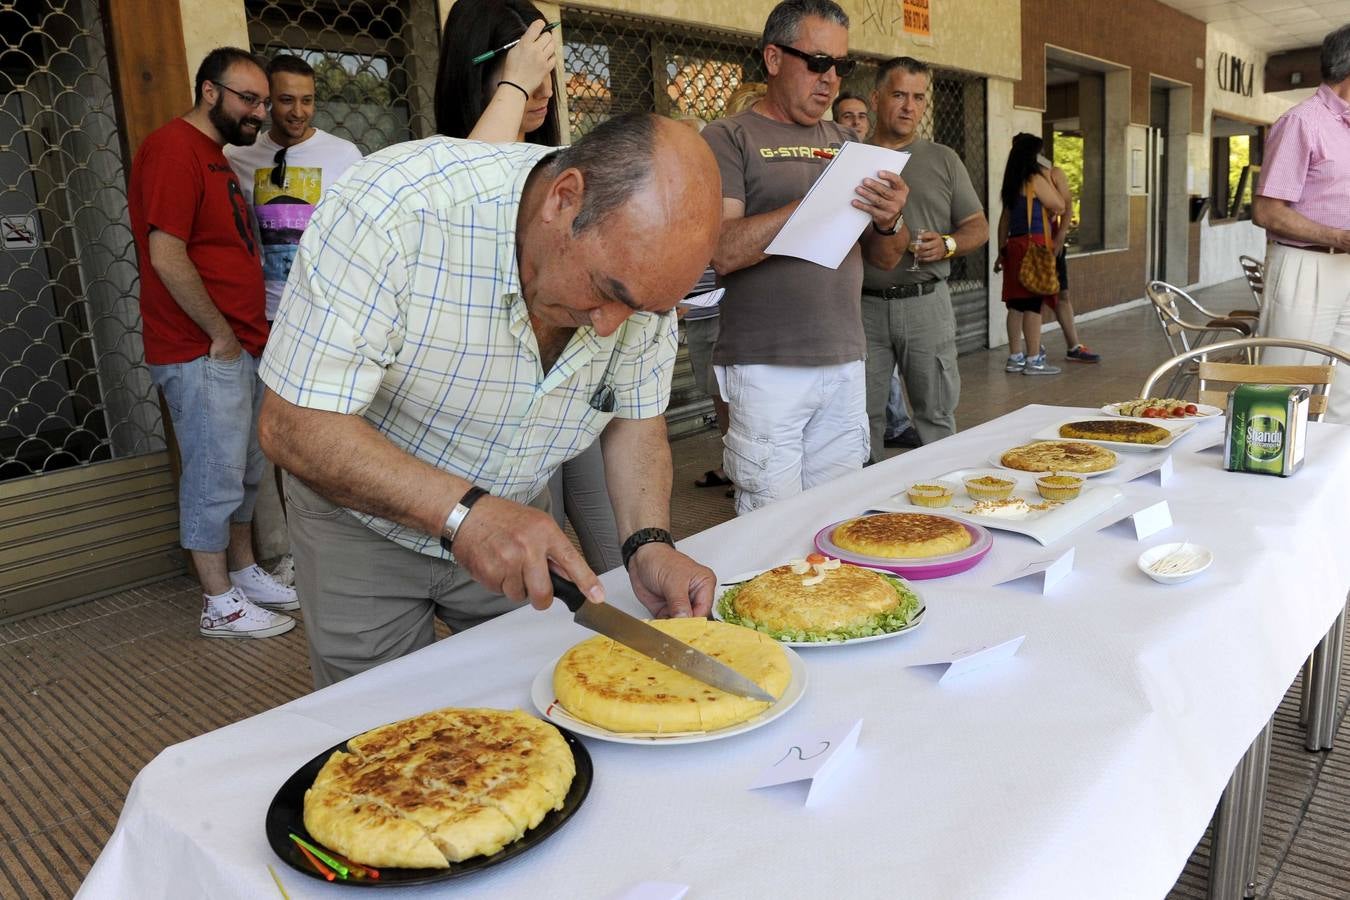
{"type": "Point", "coordinates": [367, 600]}
{"type": "Point", "coordinates": [1307, 297]}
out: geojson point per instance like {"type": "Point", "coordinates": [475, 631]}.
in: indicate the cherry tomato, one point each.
{"type": "Point", "coordinates": [1192, 409]}
{"type": "Point", "coordinates": [1178, 413]}
{"type": "Point", "coordinates": [1152, 412]}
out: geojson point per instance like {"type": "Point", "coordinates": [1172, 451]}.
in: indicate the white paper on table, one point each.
{"type": "Point", "coordinates": [812, 757]}
{"type": "Point", "coordinates": [968, 660]}
{"type": "Point", "coordinates": [1146, 521]}
{"type": "Point", "coordinates": [1046, 573]}
{"type": "Point", "coordinates": [1211, 442]}
{"type": "Point", "coordinates": [825, 226]}
{"type": "Point", "coordinates": [652, 890]}
{"type": "Point", "coordinates": [1161, 468]}
{"type": "Point", "coordinates": [704, 300]}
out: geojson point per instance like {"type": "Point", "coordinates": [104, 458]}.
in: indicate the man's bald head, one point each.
{"type": "Point", "coordinates": [627, 220]}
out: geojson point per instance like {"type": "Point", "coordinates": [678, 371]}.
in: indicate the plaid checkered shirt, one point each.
{"type": "Point", "coordinates": [403, 306]}
{"type": "Point", "coordinates": [1307, 160]}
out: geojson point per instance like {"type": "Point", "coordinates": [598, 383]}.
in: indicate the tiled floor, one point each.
{"type": "Point", "coordinates": [88, 695]}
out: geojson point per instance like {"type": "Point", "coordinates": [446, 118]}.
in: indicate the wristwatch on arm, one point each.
{"type": "Point", "coordinates": [950, 243]}
{"type": "Point", "coordinates": [893, 230]}
{"type": "Point", "coordinates": [455, 520]}
{"type": "Point", "coordinates": [644, 536]}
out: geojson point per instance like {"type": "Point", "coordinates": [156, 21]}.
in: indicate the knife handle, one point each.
{"type": "Point", "coordinates": [567, 592]}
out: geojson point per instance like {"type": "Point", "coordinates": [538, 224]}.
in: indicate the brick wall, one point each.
{"type": "Point", "coordinates": [1104, 279]}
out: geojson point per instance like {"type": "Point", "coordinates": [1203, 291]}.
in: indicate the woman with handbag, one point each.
{"type": "Point", "coordinates": [1025, 253]}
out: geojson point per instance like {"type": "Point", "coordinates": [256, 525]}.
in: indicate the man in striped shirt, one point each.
{"type": "Point", "coordinates": [460, 319]}
{"type": "Point", "coordinates": [1304, 205]}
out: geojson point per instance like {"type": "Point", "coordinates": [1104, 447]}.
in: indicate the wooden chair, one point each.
{"type": "Point", "coordinates": [1255, 272]}
{"type": "Point", "coordinates": [1185, 335]}
{"type": "Point", "coordinates": [1217, 377]}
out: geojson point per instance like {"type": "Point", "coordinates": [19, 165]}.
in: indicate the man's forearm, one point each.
{"type": "Point", "coordinates": [1276, 217]}
{"type": "Point", "coordinates": [639, 472]}
{"type": "Point", "coordinates": [744, 238]}
{"type": "Point", "coordinates": [347, 460]}
{"type": "Point", "coordinates": [971, 235]}
{"type": "Point", "coordinates": [884, 250]}
{"type": "Point", "coordinates": [169, 259]}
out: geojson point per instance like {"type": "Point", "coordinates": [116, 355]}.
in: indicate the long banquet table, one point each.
{"type": "Point", "coordinates": [1088, 765]}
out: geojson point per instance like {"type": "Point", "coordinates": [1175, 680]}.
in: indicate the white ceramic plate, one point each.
{"type": "Point", "coordinates": [1177, 427]}
{"type": "Point", "coordinates": [996, 460]}
{"type": "Point", "coordinates": [1199, 558]}
{"type": "Point", "coordinates": [1043, 525]}
{"type": "Point", "coordinates": [541, 693]}
{"type": "Point", "coordinates": [914, 622]}
{"type": "Point", "coordinates": [1203, 411]}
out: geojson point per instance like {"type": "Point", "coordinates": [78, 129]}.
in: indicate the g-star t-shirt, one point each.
{"type": "Point", "coordinates": [783, 311]}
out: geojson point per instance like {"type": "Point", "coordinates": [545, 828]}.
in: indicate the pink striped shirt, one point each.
{"type": "Point", "coordinates": [1307, 160]}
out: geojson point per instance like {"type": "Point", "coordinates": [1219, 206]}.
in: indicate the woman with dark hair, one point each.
{"type": "Point", "coordinates": [509, 97]}
{"type": "Point", "coordinates": [1030, 200]}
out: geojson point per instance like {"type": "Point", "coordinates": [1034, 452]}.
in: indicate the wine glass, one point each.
{"type": "Point", "coordinates": [915, 241]}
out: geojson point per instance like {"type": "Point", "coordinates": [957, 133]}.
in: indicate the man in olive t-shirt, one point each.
{"type": "Point", "coordinates": [789, 358]}
{"type": "Point", "coordinates": [906, 314]}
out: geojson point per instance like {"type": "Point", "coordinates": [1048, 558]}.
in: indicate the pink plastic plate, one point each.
{"type": "Point", "coordinates": [981, 542]}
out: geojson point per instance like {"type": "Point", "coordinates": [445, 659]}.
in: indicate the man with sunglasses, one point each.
{"type": "Point", "coordinates": [789, 358]}
{"type": "Point", "coordinates": [204, 329]}
{"type": "Point", "coordinates": [285, 171]}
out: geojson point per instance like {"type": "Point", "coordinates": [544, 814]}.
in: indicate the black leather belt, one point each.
{"type": "Point", "coordinates": [1314, 249]}
{"type": "Point", "coordinates": [901, 291]}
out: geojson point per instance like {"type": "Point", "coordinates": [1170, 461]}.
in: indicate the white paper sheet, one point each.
{"type": "Point", "coordinates": [824, 227]}
{"type": "Point", "coordinates": [706, 299]}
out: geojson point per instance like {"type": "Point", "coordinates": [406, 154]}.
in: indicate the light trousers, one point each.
{"type": "Point", "coordinates": [792, 428]}
{"type": "Point", "coordinates": [1307, 296]}
{"type": "Point", "coordinates": [581, 494]}
{"type": "Point", "coordinates": [368, 600]}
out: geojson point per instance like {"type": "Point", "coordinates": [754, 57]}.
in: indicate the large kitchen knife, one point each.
{"type": "Point", "coordinates": [637, 634]}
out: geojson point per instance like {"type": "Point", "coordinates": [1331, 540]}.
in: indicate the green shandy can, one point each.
{"type": "Point", "coordinates": [1266, 426]}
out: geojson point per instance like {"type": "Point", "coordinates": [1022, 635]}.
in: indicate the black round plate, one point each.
{"type": "Point", "coordinates": [286, 816]}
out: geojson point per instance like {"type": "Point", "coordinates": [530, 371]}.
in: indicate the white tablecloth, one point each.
{"type": "Point", "coordinates": [1087, 766]}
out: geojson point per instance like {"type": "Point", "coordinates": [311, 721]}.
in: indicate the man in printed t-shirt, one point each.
{"type": "Point", "coordinates": [789, 358]}
{"type": "Point", "coordinates": [202, 309]}
{"type": "Point", "coordinates": [284, 173]}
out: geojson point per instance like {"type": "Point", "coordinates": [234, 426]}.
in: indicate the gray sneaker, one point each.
{"type": "Point", "coordinates": [1036, 365]}
{"type": "Point", "coordinates": [1015, 363]}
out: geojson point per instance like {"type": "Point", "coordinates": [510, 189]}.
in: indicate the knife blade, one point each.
{"type": "Point", "coordinates": [632, 632]}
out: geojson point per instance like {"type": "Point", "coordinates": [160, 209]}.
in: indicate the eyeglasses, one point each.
{"type": "Point", "coordinates": [279, 168]}
{"type": "Point", "coordinates": [253, 100]}
{"type": "Point", "coordinates": [820, 63]}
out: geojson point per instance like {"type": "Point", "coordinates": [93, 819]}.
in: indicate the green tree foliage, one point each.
{"type": "Point", "coordinates": [1069, 158]}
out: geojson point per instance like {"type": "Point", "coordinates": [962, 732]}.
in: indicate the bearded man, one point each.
{"type": "Point", "coordinates": [204, 329]}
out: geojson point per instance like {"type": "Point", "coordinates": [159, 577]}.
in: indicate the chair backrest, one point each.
{"type": "Point", "coordinates": [1183, 335]}
{"type": "Point", "coordinates": [1255, 272]}
{"type": "Point", "coordinates": [1217, 378]}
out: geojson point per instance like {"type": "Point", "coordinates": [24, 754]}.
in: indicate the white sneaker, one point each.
{"type": "Point", "coordinates": [1036, 365]}
{"type": "Point", "coordinates": [284, 573]}
{"type": "Point", "coordinates": [263, 589]}
{"type": "Point", "coordinates": [233, 616]}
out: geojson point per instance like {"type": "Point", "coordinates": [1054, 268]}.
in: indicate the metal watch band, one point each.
{"type": "Point", "coordinates": [455, 520]}
{"type": "Point", "coordinates": [949, 243]}
{"type": "Point", "coordinates": [644, 536]}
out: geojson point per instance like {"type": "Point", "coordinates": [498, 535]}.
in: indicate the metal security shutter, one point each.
{"type": "Point", "coordinates": [78, 412]}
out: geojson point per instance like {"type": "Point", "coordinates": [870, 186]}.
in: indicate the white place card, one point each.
{"type": "Point", "coordinates": [652, 890]}
{"type": "Point", "coordinates": [1210, 442]}
{"type": "Point", "coordinates": [1145, 522]}
{"type": "Point", "coordinates": [971, 658]}
{"type": "Point", "coordinates": [1043, 573]}
{"type": "Point", "coordinates": [811, 757]}
{"type": "Point", "coordinates": [1161, 468]}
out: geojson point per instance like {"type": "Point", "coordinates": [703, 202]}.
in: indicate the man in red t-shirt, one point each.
{"type": "Point", "coordinates": [202, 309]}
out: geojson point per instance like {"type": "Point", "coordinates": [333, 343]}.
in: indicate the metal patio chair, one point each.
{"type": "Point", "coordinates": [1255, 272]}
{"type": "Point", "coordinates": [1184, 335]}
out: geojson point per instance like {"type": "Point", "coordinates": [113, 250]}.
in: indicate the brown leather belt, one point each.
{"type": "Point", "coordinates": [1315, 248]}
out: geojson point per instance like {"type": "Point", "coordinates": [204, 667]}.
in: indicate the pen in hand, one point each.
{"type": "Point", "coordinates": [484, 57]}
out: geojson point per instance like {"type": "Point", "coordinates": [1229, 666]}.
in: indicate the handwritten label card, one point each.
{"type": "Point", "coordinates": [812, 757]}
{"type": "Point", "coordinates": [968, 660]}
{"type": "Point", "coordinates": [1043, 573]}
{"type": "Point", "coordinates": [1143, 523]}
{"type": "Point", "coordinates": [653, 890]}
{"type": "Point", "coordinates": [1162, 468]}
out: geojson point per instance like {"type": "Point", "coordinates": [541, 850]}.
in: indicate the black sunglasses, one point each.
{"type": "Point", "coordinates": [820, 63]}
{"type": "Point", "coordinates": [279, 167]}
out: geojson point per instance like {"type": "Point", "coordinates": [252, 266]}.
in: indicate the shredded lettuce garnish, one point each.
{"type": "Point", "coordinates": [895, 619]}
